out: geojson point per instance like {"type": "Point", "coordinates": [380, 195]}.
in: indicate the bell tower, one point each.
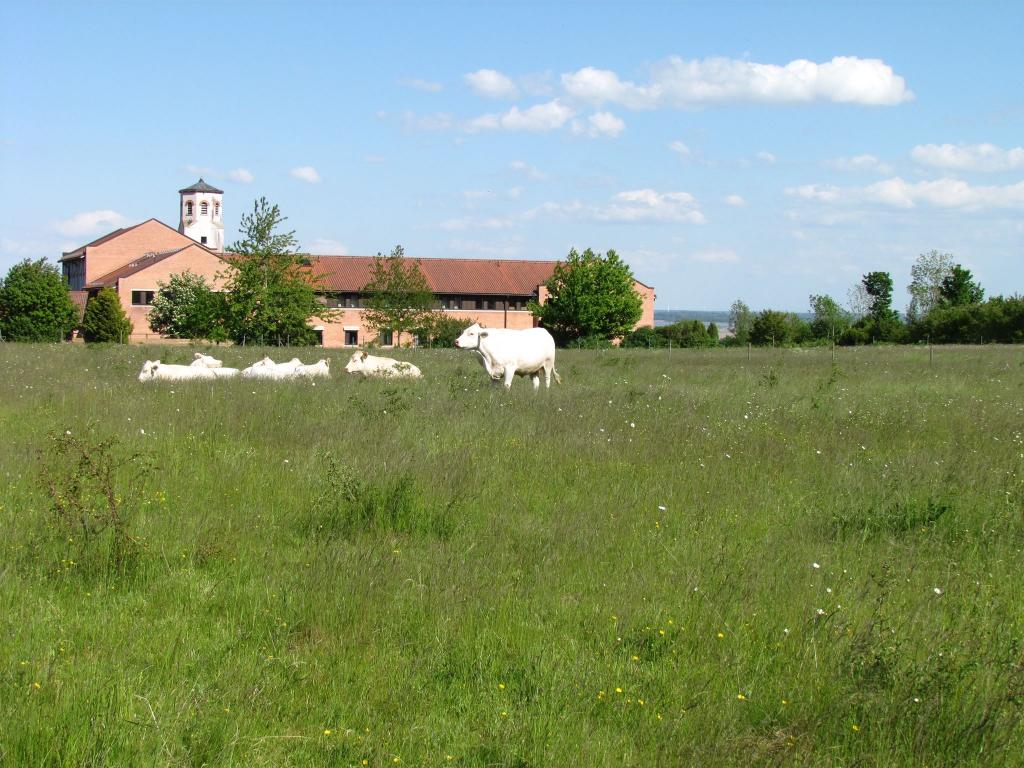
{"type": "Point", "coordinates": [201, 215]}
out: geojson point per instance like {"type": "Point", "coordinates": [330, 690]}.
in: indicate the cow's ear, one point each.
{"type": "Point", "coordinates": [365, 354]}
{"type": "Point", "coordinates": [483, 335]}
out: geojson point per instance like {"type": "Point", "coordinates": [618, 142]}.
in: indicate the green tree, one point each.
{"type": "Point", "coordinates": [399, 298]}
{"type": "Point", "coordinates": [590, 295]}
{"type": "Point", "coordinates": [186, 307]}
{"type": "Point", "coordinates": [645, 337]}
{"type": "Point", "coordinates": [741, 318]}
{"type": "Point", "coordinates": [270, 293]}
{"type": "Point", "coordinates": [959, 289]}
{"type": "Point", "coordinates": [105, 319]}
{"type": "Point", "coordinates": [34, 303]}
{"type": "Point", "coordinates": [882, 323]}
{"type": "Point", "coordinates": [441, 330]}
{"type": "Point", "coordinates": [771, 327]}
{"type": "Point", "coordinates": [830, 320]}
{"type": "Point", "coordinates": [686, 333]}
{"type": "Point", "coordinates": [712, 332]}
{"type": "Point", "coordinates": [926, 276]}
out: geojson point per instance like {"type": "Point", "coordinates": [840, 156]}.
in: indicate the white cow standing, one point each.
{"type": "Point", "coordinates": [371, 365]}
{"type": "Point", "coordinates": [506, 353]}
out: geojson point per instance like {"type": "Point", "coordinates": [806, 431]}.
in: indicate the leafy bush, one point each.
{"type": "Point", "coordinates": [105, 320]}
{"type": "Point", "coordinates": [645, 338]}
{"type": "Point", "coordinates": [34, 303]}
{"type": "Point", "coordinates": [441, 330]}
{"type": "Point", "coordinates": [187, 308]}
{"type": "Point", "coordinates": [999, 320]}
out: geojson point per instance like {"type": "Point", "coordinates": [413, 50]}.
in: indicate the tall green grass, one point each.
{"type": "Point", "coordinates": [674, 558]}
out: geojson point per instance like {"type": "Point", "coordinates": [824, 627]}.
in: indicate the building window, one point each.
{"type": "Point", "coordinates": [142, 298]}
{"type": "Point", "coordinates": [351, 300]}
{"type": "Point", "coordinates": [203, 208]}
{"type": "Point", "coordinates": [351, 338]}
{"type": "Point", "coordinates": [216, 209]}
{"type": "Point", "coordinates": [387, 339]}
{"type": "Point", "coordinates": [202, 239]}
{"type": "Point", "coordinates": [188, 208]}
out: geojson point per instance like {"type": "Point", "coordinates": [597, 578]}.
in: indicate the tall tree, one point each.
{"type": "Point", "coordinates": [270, 292]}
{"type": "Point", "coordinates": [959, 288]}
{"type": "Point", "coordinates": [590, 295]}
{"type": "Point", "coordinates": [741, 318]}
{"type": "Point", "coordinates": [882, 321]}
{"type": "Point", "coordinates": [185, 307]}
{"type": "Point", "coordinates": [830, 321]}
{"type": "Point", "coordinates": [105, 319]}
{"type": "Point", "coordinates": [398, 298]}
{"type": "Point", "coordinates": [34, 303]}
{"type": "Point", "coordinates": [926, 276]}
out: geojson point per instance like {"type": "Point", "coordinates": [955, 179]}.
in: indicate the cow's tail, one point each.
{"type": "Point", "coordinates": [558, 379]}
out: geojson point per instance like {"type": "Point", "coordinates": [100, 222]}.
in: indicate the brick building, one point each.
{"type": "Point", "coordinates": [133, 260]}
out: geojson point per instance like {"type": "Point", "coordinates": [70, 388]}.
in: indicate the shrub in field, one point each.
{"type": "Point", "coordinates": [644, 338]}
{"type": "Point", "coordinates": [440, 330]}
{"type": "Point", "coordinates": [105, 320]}
{"type": "Point", "coordinates": [34, 303]}
{"type": "Point", "coordinates": [348, 505]}
{"type": "Point", "coordinates": [93, 486]}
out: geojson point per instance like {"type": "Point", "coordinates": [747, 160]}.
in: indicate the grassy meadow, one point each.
{"type": "Point", "coordinates": [674, 558]}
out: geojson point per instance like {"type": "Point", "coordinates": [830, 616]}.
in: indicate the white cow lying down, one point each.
{"type": "Point", "coordinates": [154, 370]}
{"type": "Point", "coordinates": [371, 365]}
{"type": "Point", "coordinates": [205, 361]}
{"type": "Point", "coordinates": [293, 369]}
{"type": "Point", "coordinates": [506, 353]}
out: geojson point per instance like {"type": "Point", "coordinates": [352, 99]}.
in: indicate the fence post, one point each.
{"type": "Point", "coordinates": [929, 350]}
{"type": "Point", "coordinates": [748, 351]}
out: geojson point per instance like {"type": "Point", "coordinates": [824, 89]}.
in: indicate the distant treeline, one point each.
{"type": "Point", "coordinates": [947, 306]}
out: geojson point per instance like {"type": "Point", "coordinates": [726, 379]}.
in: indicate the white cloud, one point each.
{"type": "Point", "coordinates": [599, 124]}
{"type": "Point", "coordinates": [676, 82]}
{"type": "Point", "coordinates": [515, 192]}
{"type": "Point", "coordinates": [715, 256]}
{"type": "Point", "coordinates": [825, 193]}
{"type": "Point", "coordinates": [199, 170]}
{"type": "Point", "coordinates": [969, 157]}
{"type": "Point", "coordinates": [945, 193]}
{"type": "Point", "coordinates": [306, 173]}
{"type": "Point", "coordinates": [240, 175]}
{"type": "Point", "coordinates": [421, 85]}
{"type": "Point", "coordinates": [469, 222]}
{"type": "Point", "coordinates": [438, 121]}
{"type": "Point", "coordinates": [491, 84]}
{"type": "Point", "coordinates": [527, 170]}
{"type": "Point", "coordinates": [859, 163]}
{"type": "Point", "coordinates": [635, 205]}
{"type": "Point", "coordinates": [89, 223]}
{"type": "Point", "coordinates": [938, 193]}
{"type": "Point", "coordinates": [680, 148]}
{"type": "Point", "coordinates": [735, 200]}
{"type": "Point", "coordinates": [766, 157]}
{"type": "Point", "coordinates": [326, 247]}
{"type": "Point", "coordinates": [539, 118]}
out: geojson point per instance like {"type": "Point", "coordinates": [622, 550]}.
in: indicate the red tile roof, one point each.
{"type": "Point", "coordinates": [498, 277]}
{"type": "Point", "coordinates": [136, 265]}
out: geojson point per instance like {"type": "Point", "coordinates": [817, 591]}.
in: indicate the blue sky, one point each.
{"type": "Point", "coordinates": [762, 151]}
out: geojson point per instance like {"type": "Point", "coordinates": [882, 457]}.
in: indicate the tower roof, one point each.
{"type": "Point", "coordinates": [200, 186]}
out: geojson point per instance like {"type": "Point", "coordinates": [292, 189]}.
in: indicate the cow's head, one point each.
{"type": "Point", "coordinates": [199, 356]}
{"type": "Point", "coordinates": [149, 370]}
{"type": "Point", "coordinates": [355, 363]}
{"type": "Point", "coordinates": [470, 338]}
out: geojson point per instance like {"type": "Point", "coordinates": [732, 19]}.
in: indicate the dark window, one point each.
{"type": "Point", "coordinates": [74, 274]}
{"type": "Point", "coordinates": [142, 298]}
{"type": "Point", "coordinates": [351, 300]}
{"type": "Point", "coordinates": [387, 338]}
{"type": "Point", "coordinates": [202, 239]}
{"type": "Point", "coordinates": [351, 338]}
{"type": "Point", "coordinates": [188, 208]}
{"type": "Point", "coordinates": [203, 208]}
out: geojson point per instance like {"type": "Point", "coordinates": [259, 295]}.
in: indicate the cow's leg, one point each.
{"type": "Point", "coordinates": [510, 373]}
{"type": "Point", "coordinates": [536, 381]}
{"type": "Point", "coordinates": [547, 375]}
